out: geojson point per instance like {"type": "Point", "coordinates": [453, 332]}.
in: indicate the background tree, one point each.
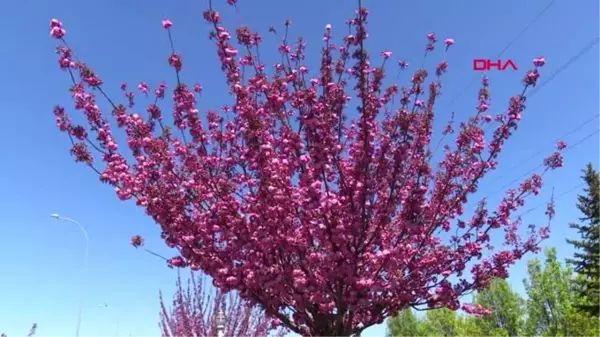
{"type": "Point", "coordinates": [194, 310]}
{"type": "Point", "coordinates": [468, 327]}
{"type": "Point", "coordinates": [550, 304]}
{"type": "Point", "coordinates": [586, 261]}
{"type": "Point", "coordinates": [550, 310]}
{"type": "Point", "coordinates": [441, 322]}
{"type": "Point", "coordinates": [506, 306]}
{"type": "Point", "coordinates": [405, 323]}
{"type": "Point", "coordinates": [583, 323]}
{"type": "Point", "coordinates": [330, 220]}
{"type": "Point", "coordinates": [437, 322]}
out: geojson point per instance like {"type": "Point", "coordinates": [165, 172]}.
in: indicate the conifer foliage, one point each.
{"type": "Point", "coordinates": [586, 260]}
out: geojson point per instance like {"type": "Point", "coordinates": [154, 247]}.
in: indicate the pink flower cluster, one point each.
{"type": "Point", "coordinates": [56, 29]}
{"type": "Point", "coordinates": [476, 309]}
{"type": "Point", "coordinates": [330, 221]}
{"type": "Point", "coordinates": [137, 241]}
{"type": "Point", "coordinates": [194, 311]}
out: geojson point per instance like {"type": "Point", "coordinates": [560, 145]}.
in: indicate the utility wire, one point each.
{"type": "Point", "coordinates": [517, 37]}
{"type": "Point", "coordinates": [564, 67]}
{"type": "Point", "coordinates": [540, 165]}
{"type": "Point", "coordinates": [556, 198]}
{"type": "Point", "coordinates": [574, 58]}
{"type": "Point", "coordinates": [577, 128]}
{"type": "Point", "coordinates": [536, 18]}
{"type": "Point", "coordinates": [542, 150]}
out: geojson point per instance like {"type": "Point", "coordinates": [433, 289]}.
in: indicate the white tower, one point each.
{"type": "Point", "coordinates": [221, 321]}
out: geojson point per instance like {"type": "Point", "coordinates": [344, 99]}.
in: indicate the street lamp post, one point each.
{"type": "Point", "coordinates": [117, 313]}
{"type": "Point", "coordinates": [85, 262]}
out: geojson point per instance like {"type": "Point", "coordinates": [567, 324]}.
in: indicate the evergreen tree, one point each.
{"type": "Point", "coordinates": [587, 258]}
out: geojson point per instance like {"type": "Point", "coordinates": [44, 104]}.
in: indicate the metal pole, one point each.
{"type": "Point", "coordinates": [85, 263]}
{"type": "Point", "coordinates": [118, 317]}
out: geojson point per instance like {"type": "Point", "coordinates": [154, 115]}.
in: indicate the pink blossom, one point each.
{"type": "Point", "coordinates": [531, 78]}
{"type": "Point", "coordinates": [56, 29]}
{"type": "Point", "coordinates": [482, 107]}
{"type": "Point", "coordinates": [167, 24]}
{"type": "Point", "coordinates": [231, 51]}
{"type": "Point", "coordinates": [143, 87]}
{"type": "Point", "coordinates": [476, 309]}
{"type": "Point", "coordinates": [137, 241]}
{"type": "Point", "coordinates": [448, 42]}
{"type": "Point", "coordinates": [57, 32]}
{"type": "Point", "coordinates": [55, 23]}
{"type": "Point", "coordinates": [539, 62]}
{"type": "Point", "coordinates": [79, 132]}
{"type": "Point", "coordinates": [431, 42]}
{"type": "Point", "coordinates": [554, 161]}
{"type": "Point", "coordinates": [81, 153]}
{"type": "Point", "coordinates": [176, 261]}
{"type": "Point", "coordinates": [441, 68]}
{"type": "Point", "coordinates": [386, 54]}
{"type": "Point", "coordinates": [175, 61]}
{"type": "Point", "coordinates": [62, 119]}
{"type": "Point", "coordinates": [561, 145]}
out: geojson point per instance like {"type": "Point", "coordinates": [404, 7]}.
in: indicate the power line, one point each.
{"type": "Point", "coordinates": [569, 148]}
{"type": "Point", "coordinates": [562, 68]}
{"type": "Point", "coordinates": [542, 150]}
{"type": "Point", "coordinates": [574, 58]}
{"type": "Point", "coordinates": [537, 17]}
{"type": "Point", "coordinates": [540, 165]}
{"type": "Point", "coordinates": [565, 66]}
{"type": "Point", "coordinates": [556, 198]}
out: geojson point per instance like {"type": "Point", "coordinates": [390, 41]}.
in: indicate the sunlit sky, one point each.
{"type": "Point", "coordinates": [123, 41]}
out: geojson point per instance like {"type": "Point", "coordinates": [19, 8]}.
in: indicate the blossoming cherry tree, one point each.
{"type": "Point", "coordinates": [312, 193]}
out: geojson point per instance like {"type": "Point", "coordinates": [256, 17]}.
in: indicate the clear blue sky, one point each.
{"type": "Point", "coordinates": [41, 258]}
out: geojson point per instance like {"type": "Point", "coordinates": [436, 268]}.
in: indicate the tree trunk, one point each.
{"type": "Point", "coordinates": [332, 332]}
